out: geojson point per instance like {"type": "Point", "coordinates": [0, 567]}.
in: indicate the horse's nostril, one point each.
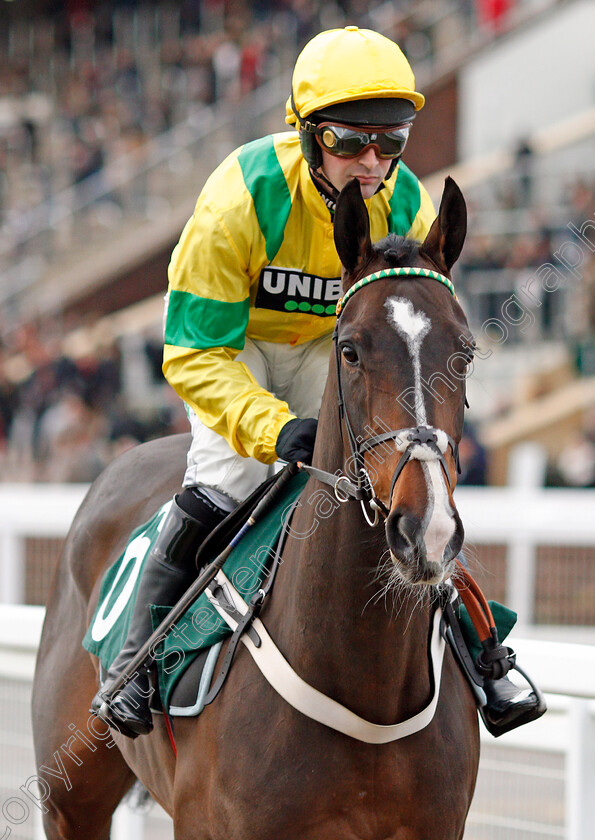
{"type": "Point", "coordinates": [402, 531]}
{"type": "Point", "coordinates": [408, 527]}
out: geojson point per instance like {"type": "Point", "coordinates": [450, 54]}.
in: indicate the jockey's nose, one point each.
{"type": "Point", "coordinates": [369, 157]}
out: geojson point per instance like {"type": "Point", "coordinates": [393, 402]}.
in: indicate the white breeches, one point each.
{"type": "Point", "coordinates": [296, 374]}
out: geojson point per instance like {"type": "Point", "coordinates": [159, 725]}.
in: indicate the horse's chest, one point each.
{"type": "Point", "coordinates": [276, 773]}
{"type": "Point", "coordinates": [300, 783]}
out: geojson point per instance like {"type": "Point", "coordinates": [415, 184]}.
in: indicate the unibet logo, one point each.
{"type": "Point", "coordinates": [289, 290]}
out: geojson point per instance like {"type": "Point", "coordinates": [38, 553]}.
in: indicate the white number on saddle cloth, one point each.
{"type": "Point", "coordinates": [133, 557]}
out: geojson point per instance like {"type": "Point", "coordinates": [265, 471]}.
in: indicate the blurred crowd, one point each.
{"type": "Point", "coordinates": [96, 80]}
{"type": "Point", "coordinates": [505, 260]}
{"type": "Point", "coordinates": [79, 89]}
{"type": "Point", "coordinates": [64, 417]}
{"type": "Point", "coordinates": [524, 251]}
{"type": "Point", "coordinates": [575, 465]}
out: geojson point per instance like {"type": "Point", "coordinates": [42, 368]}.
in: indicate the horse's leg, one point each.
{"type": "Point", "coordinates": [82, 775]}
{"type": "Point", "coordinates": [196, 763]}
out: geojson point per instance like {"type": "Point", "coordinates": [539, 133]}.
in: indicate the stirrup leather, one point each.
{"type": "Point", "coordinates": [495, 659]}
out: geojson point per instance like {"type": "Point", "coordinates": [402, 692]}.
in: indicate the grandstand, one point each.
{"type": "Point", "coordinates": [112, 116]}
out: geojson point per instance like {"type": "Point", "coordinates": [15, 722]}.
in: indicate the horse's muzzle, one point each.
{"type": "Point", "coordinates": [416, 562]}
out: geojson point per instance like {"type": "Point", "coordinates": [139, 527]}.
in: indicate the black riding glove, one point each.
{"type": "Point", "coordinates": [296, 440]}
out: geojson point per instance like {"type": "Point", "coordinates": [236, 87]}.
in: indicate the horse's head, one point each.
{"type": "Point", "coordinates": [403, 348]}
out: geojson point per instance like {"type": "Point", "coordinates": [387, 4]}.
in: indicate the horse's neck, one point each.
{"type": "Point", "coordinates": [336, 626]}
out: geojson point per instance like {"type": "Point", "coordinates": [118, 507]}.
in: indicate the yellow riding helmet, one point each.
{"type": "Point", "coordinates": [345, 65]}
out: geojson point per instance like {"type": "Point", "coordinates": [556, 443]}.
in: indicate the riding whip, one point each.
{"type": "Point", "coordinates": [200, 584]}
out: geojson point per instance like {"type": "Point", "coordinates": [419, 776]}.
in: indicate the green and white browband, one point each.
{"type": "Point", "coordinates": [394, 272]}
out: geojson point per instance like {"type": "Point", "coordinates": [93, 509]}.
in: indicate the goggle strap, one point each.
{"type": "Point", "coordinates": [309, 126]}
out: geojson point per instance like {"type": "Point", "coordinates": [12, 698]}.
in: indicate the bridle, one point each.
{"type": "Point", "coordinates": [422, 443]}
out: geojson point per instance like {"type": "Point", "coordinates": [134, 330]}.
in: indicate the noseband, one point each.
{"type": "Point", "coordinates": [422, 443]}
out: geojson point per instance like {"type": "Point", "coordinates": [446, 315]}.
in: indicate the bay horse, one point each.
{"type": "Point", "coordinates": [352, 609]}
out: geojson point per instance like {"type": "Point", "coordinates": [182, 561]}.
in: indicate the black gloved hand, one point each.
{"type": "Point", "coordinates": [296, 440]}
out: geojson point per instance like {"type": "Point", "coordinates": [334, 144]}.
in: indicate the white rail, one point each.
{"type": "Point", "coordinates": [521, 516]}
{"type": "Point", "coordinates": [31, 510]}
{"type": "Point", "coordinates": [524, 518]}
{"type": "Point", "coordinates": [20, 630]}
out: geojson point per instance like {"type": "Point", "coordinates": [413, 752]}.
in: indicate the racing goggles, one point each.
{"type": "Point", "coordinates": [346, 141]}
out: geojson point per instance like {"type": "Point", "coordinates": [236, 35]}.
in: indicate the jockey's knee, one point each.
{"type": "Point", "coordinates": [207, 506]}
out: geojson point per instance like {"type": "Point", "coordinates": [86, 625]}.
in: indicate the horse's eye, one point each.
{"type": "Point", "coordinates": [470, 349]}
{"type": "Point", "coordinates": [349, 354]}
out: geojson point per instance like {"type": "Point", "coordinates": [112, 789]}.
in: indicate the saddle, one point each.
{"type": "Point", "coordinates": [185, 659]}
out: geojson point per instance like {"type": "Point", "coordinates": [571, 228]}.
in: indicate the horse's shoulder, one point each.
{"type": "Point", "coordinates": [126, 494]}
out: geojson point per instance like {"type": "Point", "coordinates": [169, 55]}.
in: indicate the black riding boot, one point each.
{"type": "Point", "coordinates": [168, 572]}
{"type": "Point", "coordinates": [507, 706]}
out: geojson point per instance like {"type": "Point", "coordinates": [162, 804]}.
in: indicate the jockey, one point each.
{"type": "Point", "coordinates": [250, 309]}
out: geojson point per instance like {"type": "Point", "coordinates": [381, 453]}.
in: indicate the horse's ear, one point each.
{"type": "Point", "coordinates": [445, 239]}
{"type": "Point", "coordinates": [352, 227]}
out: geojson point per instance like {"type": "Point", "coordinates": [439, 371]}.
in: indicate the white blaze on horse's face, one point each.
{"type": "Point", "coordinates": [413, 327]}
{"type": "Point", "coordinates": [438, 524]}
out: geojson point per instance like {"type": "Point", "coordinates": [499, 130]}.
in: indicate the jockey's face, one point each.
{"type": "Point", "coordinates": [369, 169]}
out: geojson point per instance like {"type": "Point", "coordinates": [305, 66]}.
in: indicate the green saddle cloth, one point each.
{"type": "Point", "coordinates": [201, 626]}
{"type": "Point", "coordinates": [504, 619]}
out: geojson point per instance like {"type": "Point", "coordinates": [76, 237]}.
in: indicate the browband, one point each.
{"type": "Point", "coordinates": [408, 271]}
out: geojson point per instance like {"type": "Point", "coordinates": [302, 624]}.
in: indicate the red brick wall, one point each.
{"type": "Point", "coordinates": [433, 142]}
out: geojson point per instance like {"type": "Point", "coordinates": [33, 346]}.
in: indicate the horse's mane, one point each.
{"type": "Point", "coordinates": [397, 250]}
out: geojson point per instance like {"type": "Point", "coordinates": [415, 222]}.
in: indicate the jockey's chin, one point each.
{"type": "Point", "coordinates": [369, 185]}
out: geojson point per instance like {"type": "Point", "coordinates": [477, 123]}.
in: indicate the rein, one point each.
{"type": "Point", "coordinates": [420, 443]}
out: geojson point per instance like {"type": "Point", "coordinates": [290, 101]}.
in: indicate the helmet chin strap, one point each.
{"type": "Point", "coordinates": [328, 186]}
{"type": "Point", "coordinates": [394, 163]}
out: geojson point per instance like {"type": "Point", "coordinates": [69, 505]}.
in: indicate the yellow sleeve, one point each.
{"type": "Point", "coordinates": [205, 324]}
{"type": "Point", "coordinates": [228, 399]}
